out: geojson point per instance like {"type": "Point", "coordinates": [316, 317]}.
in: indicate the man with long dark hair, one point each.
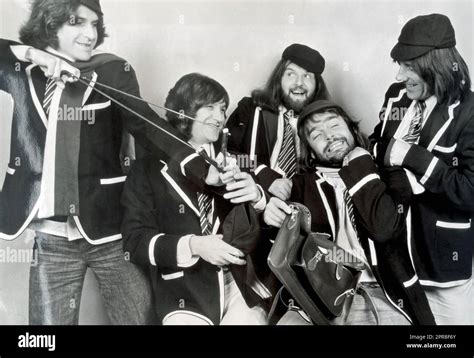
{"type": "Point", "coordinates": [349, 200]}
{"type": "Point", "coordinates": [264, 125]}
{"type": "Point", "coordinates": [65, 171]}
{"type": "Point", "coordinates": [427, 127]}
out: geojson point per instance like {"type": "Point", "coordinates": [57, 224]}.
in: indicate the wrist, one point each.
{"type": "Point", "coordinates": [194, 244]}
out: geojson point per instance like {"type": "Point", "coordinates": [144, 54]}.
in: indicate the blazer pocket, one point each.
{"type": "Point", "coordinates": [172, 276]}
{"type": "Point", "coordinates": [109, 181]}
{"type": "Point", "coordinates": [453, 245]}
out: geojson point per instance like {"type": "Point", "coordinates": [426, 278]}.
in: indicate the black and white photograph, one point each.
{"type": "Point", "coordinates": [287, 164]}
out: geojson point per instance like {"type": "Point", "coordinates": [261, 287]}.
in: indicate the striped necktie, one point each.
{"type": "Point", "coordinates": [205, 208]}
{"type": "Point", "coordinates": [48, 95]}
{"type": "Point", "coordinates": [350, 208]}
{"type": "Point", "coordinates": [287, 156]}
{"type": "Point", "coordinates": [415, 125]}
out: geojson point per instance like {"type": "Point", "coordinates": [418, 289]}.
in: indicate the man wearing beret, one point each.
{"type": "Point", "coordinates": [263, 126]}
{"type": "Point", "coordinates": [427, 127]}
{"type": "Point", "coordinates": [65, 175]}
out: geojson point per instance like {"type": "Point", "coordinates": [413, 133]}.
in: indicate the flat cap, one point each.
{"type": "Point", "coordinates": [305, 57]}
{"type": "Point", "coordinates": [423, 34]}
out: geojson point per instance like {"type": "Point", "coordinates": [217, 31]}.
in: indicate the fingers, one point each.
{"type": "Point", "coordinates": [281, 205]}
{"type": "Point", "coordinates": [235, 260]}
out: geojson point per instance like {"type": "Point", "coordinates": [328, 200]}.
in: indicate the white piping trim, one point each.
{"type": "Point", "coordinates": [260, 168]}
{"type": "Point", "coordinates": [178, 189]}
{"type": "Point", "coordinates": [24, 226]}
{"type": "Point", "coordinates": [443, 284]}
{"type": "Point", "coordinates": [172, 276]}
{"type": "Point", "coordinates": [389, 108]}
{"type": "Point", "coordinates": [108, 181]}
{"type": "Point", "coordinates": [204, 318]}
{"type": "Point", "coordinates": [151, 249]}
{"type": "Point", "coordinates": [36, 102]}
{"type": "Point", "coordinates": [452, 225]}
{"type": "Point", "coordinates": [444, 127]}
{"type": "Point", "coordinates": [96, 106]}
{"type": "Point", "coordinates": [88, 91]}
{"type": "Point", "coordinates": [362, 182]}
{"type": "Point", "coordinates": [408, 220]}
{"type": "Point", "coordinates": [373, 254]}
{"type": "Point", "coordinates": [445, 149]}
{"type": "Point", "coordinates": [429, 171]}
{"type": "Point", "coordinates": [11, 171]}
{"type": "Point", "coordinates": [217, 223]}
{"type": "Point", "coordinates": [186, 161]}
{"type": "Point", "coordinates": [278, 144]}
{"type": "Point", "coordinates": [411, 281]}
{"type": "Point", "coordinates": [397, 307]}
{"type": "Point", "coordinates": [327, 207]}
{"type": "Point", "coordinates": [95, 242]}
{"type": "Point", "coordinates": [375, 150]}
{"type": "Point", "coordinates": [220, 277]}
{"type": "Point", "coordinates": [256, 118]}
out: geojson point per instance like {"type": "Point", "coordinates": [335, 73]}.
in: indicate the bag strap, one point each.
{"type": "Point", "coordinates": [275, 302]}
{"type": "Point", "coordinates": [370, 303]}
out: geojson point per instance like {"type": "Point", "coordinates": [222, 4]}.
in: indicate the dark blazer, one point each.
{"type": "Point", "coordinates": [443, 162]}
{"type": "Point", "coordinates": [380, 220]}
{"type": "Point", "coordinates": [160, 208]}
{"type": "Point", "coordinates": [100, 175]}
{"type": "Point", "coordinates": [254, 132]}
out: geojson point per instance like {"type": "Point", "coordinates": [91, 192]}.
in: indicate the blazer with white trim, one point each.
{"type": "Point", "coordinates": [161, 207]}
{"type": "Point", "coordinates": [380, 203]}
{"type": "Point", "coordinates": [443, 163]}
{"type": "Point", "coordinates": [100, 172]}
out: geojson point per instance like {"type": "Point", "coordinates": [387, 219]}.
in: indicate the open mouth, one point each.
{"type": "Point", "coordinates": [335, 146]}
{"type": "Point", "coordinates": [410, 86]}
{"type": "Point", "coordinates": [85, 45]}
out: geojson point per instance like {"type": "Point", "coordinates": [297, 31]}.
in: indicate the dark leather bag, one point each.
{"type": "Point", "coordinates": [321, 276]}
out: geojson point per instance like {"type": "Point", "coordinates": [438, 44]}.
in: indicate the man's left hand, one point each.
{"type": "Point", "coordinates": [243, 189]}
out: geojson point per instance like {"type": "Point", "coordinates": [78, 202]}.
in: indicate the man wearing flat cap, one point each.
{"type": "Point", "coordinates": [65, 177]}
{"type": "Point", "coordinates": [427, 127]}
{"type": "Point", "coordinates": [263, 126]}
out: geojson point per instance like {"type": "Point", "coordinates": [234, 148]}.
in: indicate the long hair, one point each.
{"type": "Point", "coordinates": [47, 17]}
{"type": "Point", "coordinates": [190, 93]}
{"type": "Point", "coordinates": [309, 161]}
{"type": "Point", "coordinates": [270, 96]}
{"type": "Point", "coordinates": [445, 72]}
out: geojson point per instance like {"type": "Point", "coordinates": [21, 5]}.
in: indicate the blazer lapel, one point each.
{"type": "Point", "coordinates": [434, 123]}
{"type": "Point", "coordinates": [37, 84]}
{"type": "Point", "coordinates": [270, 124]}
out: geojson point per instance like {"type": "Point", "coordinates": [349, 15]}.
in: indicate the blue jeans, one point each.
{"type": "Point", "coordinates": [57, 278]}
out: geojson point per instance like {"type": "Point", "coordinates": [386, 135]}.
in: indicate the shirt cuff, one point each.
{"type": "Point", "coordinates": [398, 152]}
{"type": "Point", "coordinates": [20, 51]}
{"type": "Point", "coordinates": [260, 205]}
{"type": "Point", "coordinates": [184, 257]}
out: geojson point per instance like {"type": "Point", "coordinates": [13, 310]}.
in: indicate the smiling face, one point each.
{"type": "Point", "coordinates": [209, 122]}
{"type": "Point", "coordinates": [298, 86]}
{"type": "Point", "coordinates": [78, 36]}
{"type": "Point", "coordinates": [329, 137]}
{"type": "Point", "coordinates": [417, 89]}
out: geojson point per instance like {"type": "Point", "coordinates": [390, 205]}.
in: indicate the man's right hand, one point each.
{"type": "Point", "coordinates": [51, 65]}
{"type": "Point", "coordinates": [214, 250]}
{"type": "Point", "coordinates": [275, 212]}
{"type": "Point", "coordinates": [281, 188]}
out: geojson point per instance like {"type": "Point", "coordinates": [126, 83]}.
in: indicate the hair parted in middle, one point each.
{"type": "Point", "coordinates": [308, 161]}
{"type": "Point", "coordinates": [191, 92]}
{"type": "Point", "coordinates": [47, 17]}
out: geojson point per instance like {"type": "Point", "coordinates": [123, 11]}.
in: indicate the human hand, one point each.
{"type": "Point", "coordinates": [215, 178]}
{"type": "Point", "coordinates": [243, 189]}
{"type": "Point", "coordinates": [281, 188]}
{"type": "Point", "coordinates": [275, 212]}
{"type": "Point", "coordinates": [214, 250]}
{"type": "Point", "coordinates": [52, 66]}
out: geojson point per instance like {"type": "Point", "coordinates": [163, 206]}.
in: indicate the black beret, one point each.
{"type": "Point", "coordinates": [94, 5]}
{"type": "Point", "coordinates": [313, 107]}
{"type": "Point", "coordinates": [306, 57]}
{"type": "Point", "coordinates": [423, 34]}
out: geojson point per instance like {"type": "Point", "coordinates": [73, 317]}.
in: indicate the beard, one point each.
{"type": "Point", "coordinates": [334, 159]}
{"type": "Point", "coordinates": [295, 105]}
